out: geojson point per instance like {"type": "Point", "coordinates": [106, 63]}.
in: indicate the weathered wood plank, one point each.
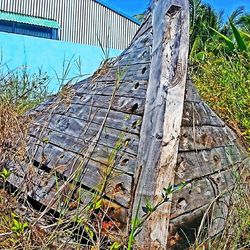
{"type": "Point", "coordinates": [191, 94]}
{"type": "Point", "coordinates": [54, 193]}
{"type": "Point", "coordinates": [136, 55]}
{"type": "Point", "coordinates": [201, 192]}
{"type": "Point", "coordinates": [146, 26]}
{"type": "Point", "coordinates": [91, 173]}
{"type": "Point", "coordinates": [133, 89]}
{"type": "Point", "coordinates": [86, 114]}
{"type": "Point", "coordinates": [125, 73]}
{"type": "Point", "coordinates": [192, 165]}
{"type": "Point", "coordinates": [119, 103]}
{"type": "Point", "coordinates": [115, 119]}
{"type": "Point", "coordinates": [76, 135]}
{"type": "Point", "coordinates": [199, 114]}
{"type": "Point", "coordinates": [161, 124]}
{"type": "Point", "coordinates": [123, 104]}
{"type": "Point", "coordinates": [187, 220]}
{"type": "Point", "coordinates": [205, 137]}
{"type": "Point", "coordinates": [114, 211]}
{"type": "Point", "coordinates": [190, 223]}
{"type": "Point", "coordinates": [146, 40]}
{"type": "Point", "coordinates": [124, 161]}
{"type": "Point", "coordinates": [53, 155]}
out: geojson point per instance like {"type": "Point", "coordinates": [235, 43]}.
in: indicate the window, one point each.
{"type": "Point", "coordinates": [28, 25]}
{"type": "Point", "coordinates": [28, 29]}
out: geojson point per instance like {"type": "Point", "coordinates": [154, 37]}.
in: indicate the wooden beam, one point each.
{"type": "Point", "coordinates": [161, 125]}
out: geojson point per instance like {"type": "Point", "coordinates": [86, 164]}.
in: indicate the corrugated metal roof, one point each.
{"type": "Point", "coordinates": [7, 16]}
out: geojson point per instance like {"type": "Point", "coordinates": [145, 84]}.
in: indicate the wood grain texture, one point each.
{"type": "Point", "coordinates": [82, 126]}
{"type": "Point", "coordinates": [201, 192]}
{"type": "Point", "coordinates": [205, 137]}
{"type": "Point", "coordinates": [161, 124]}
{"type": "Point", "coordinates": [209, 156]}
{"type": "Point", "coordinates": [193, 165]}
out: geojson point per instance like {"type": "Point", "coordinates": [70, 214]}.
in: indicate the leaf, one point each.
{"type": "Point", "coordinates": [195, 47]}
{"type": "Point", "coordinates": [134, 226]}
{"type": "Point", "coordinates": [98, 204]}
{"type": "Point", "coordinates": [168, 190]}
{"type": "Point", "coordinates": [227, 40]}
{"type": "Point", "coordinates": [16, 223]}
{"type": "Point", "coordinates": [5, 173]}
{"type": "Point", "coordinates": [25, 224]}
{"type": "Point", "coordinates": [245, 35]}
{"type": "Point", "coordinates": [89, 232]}
{"type": "Point", "coordinates": [136, 222]}
{"type": "Point", "coordinates": [115, 246]}
{"type": "Point", "coordinates": [149, 206]}
{"type": "Point", "coordinates": [200, 56]}
{"type": "Point", "coordinates": [240, 42]}
{"type": "Point", "coordinates": [14, 215]}
{"type": "Point", "coordinates": [46, 140]}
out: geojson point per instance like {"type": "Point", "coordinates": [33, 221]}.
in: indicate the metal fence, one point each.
{"type": "Point", "coordinates": [81, 21]}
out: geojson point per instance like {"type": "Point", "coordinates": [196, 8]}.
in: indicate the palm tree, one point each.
{"type": "Point", "coordinates": [202, 16]}
{"type": "Point", "coordinates": [235, 18]}
{"type": "Point", "coordinates": [244, 23]}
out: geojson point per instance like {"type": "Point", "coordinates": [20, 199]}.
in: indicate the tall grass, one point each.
{"type": "Point", "coordinates": [220, 69]}
{"type": "Point", "coordinates": [21, 89]}
{"type": "Point", "coordinates": [78, 225]}
{"type": "Point", "coordinates": [236, 233]}
{"type": "Point", "coordinates": [224, 83]}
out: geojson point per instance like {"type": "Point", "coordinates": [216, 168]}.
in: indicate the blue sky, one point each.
{"type": "Point", "coordinates": [132, 7]}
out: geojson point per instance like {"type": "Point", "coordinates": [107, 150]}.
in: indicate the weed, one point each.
{"type": "Point", "coordinates": [149, 209]}
{"type": "Point", "coordinates": [235, 234]}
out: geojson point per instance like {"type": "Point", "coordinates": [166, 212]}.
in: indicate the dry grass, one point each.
{"type": "Point", "coordinates": [80, 219]}
{"type": "Point", "coordinates": [236, 232]}
{"type": "Point", "coordinates": [83, 220]}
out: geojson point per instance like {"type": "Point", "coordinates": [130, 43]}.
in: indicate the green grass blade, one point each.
{"type": "Point", "coordinates": [227, 40]}
{"type": "Point", "coordinates": [239, 39]}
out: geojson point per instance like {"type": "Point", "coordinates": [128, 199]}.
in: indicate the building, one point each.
{"type": "Point", "coordinates": [77, 27]}
{"type": "Point", "coordinates": [80, 21]}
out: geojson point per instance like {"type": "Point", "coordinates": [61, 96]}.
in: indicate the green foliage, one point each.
{"type": "Point", "coordinates": [149, 209]}
{"type": "Point", "coordinates": [115, 246]}
{"type": "Point", "coordinates": [135, 225]}
{"type": "Point", "coordinates": [18, 226]}
{"type": "Point", "coordinates": [237, 40]}
{"type": "Point", "coordinates": [5, 173]}
{"type": "Point", "coordinates": [244, 23]}
{"type": "Point", "coordinates": [220, 64]}
{"type": "Point", "coordinates": [202, 16]}
{"type": "Point", "coordinates": [89, 232]}
{"type": "Point", "coordinates": [224, 82]}
{"type": "Point", "coordinates": [21, 89]}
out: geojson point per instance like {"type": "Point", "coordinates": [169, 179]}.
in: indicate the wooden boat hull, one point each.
{"type": "Point", "coordinates": [136, 126]}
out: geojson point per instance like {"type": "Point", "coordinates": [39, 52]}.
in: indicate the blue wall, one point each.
{"type": "Point", "coordinates": [18, 50]}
